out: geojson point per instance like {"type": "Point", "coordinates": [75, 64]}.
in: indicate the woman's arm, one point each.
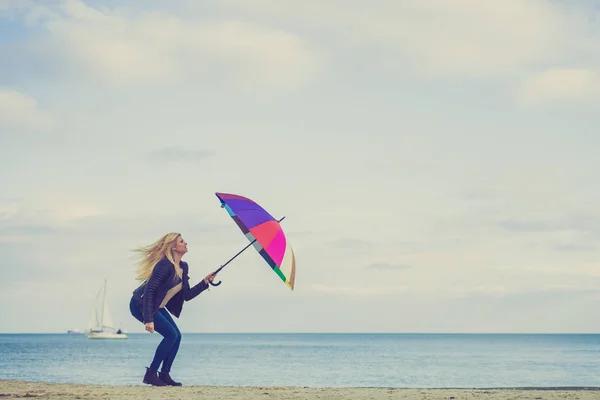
{"type": "Point", "coordinates": [196, 290]}
{"type": "Point", "coordinates": [159, 275]}
{"type": "Point", "coordinates": [191, 292]}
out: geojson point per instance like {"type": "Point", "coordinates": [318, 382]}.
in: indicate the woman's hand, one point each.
{"type": "Point", "coordinates": [210, 278]}
{"type": "Point", "coordinates": [150, 327]}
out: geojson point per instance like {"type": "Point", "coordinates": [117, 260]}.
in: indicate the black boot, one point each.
{"type": "Point", "coordinates": [166, 378]}
{"type": "Point", "coordinates": [151, 378]}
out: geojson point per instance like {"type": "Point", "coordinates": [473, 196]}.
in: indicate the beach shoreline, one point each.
{"type": "Point", "coordinates": [44, 390]}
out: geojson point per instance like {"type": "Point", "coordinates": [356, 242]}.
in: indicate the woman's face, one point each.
{"type": "Point", "coordinates": [180, 246]}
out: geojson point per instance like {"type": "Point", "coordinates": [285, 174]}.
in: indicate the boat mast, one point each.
{"type": "Point", "coordinates": [103, 306]}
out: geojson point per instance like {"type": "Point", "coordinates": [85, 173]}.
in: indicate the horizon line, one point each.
{"type": "Point", "coordinates": [324, 333]}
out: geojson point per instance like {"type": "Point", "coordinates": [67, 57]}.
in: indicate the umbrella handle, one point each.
{"type": "Point", "coordinates": [216, 272]}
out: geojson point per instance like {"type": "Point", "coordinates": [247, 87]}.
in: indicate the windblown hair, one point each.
{"type": "Point", "coordinates": [153, 253]}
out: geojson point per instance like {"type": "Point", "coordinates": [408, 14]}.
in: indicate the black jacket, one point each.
{"type": "Point", "coordinates": [151, 293]}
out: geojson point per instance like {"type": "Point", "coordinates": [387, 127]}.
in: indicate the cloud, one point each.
{"type": "Point", "coordinates": [13, 5]}
{"type": "Point", "coordinates": [549, 294]}
{"type": "Point", "coordinates": [466, 37]}
{"type": "Point", "coordinates": [21, 230]}
{"type": "Point", "coordinates": [128, 48]}
{"type": "Point", "coordinates": [575, 247]}
{"type": "Point", "coordinates": [388, 266]}
{"type": "Point", "coordinates": [20, 112]}
{"type": "Point", "coordinates": [173, 154]}
{"type": "Point", "coordinates": [358, 291]}
{"type": "Point", "coordinates": [560, 84]}
{"type": "Point", "coordinates": [136, 225]}
{"type": "Point", "coordinates": [351, 243]}
{"type": "Point", "coordinates": [588, 223]}
{"type": "Point", "coordinates": [531, 226]}
{"type": "Point", "coordinates": [500, 41]}
{"type": "Point", "coordinates": [459, 290]}
{"type": "Point", "coordinates": [79, 221]}
{"type": "Point", "coordinates": [50, 214]}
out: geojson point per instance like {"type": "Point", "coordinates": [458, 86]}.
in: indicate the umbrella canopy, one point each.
{"type": "Point", "coordinates": [264, 232]}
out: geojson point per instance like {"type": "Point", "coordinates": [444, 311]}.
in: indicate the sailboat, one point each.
{"type": "Point", "coordinates": [102, 328]}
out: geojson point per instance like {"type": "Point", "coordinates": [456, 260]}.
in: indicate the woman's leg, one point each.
{"type": "Point", "coordinates": [170, 333]}
{"type": "Point", "coordinates": [168, 347]}
{"type": "Point", "coordinates": [164, 327]}
{"type": "Point", "coordinates": [168, 361]}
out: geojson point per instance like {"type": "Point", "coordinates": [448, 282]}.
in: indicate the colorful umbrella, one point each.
{"type": "Point", "coordinates": [265, 234]}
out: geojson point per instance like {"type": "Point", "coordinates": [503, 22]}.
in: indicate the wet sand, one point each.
{"type": "Point", "coordinates": [10, 389]}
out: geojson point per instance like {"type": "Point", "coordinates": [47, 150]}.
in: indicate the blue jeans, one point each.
{"type": "Point", "coordinates": [168, 347]}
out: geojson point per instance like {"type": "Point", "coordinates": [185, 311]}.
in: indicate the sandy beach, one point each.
{"type": "Point", "coordinates": [20, 389]}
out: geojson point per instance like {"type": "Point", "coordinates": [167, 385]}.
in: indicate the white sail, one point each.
{"type": "Point", "coordinates": [93, 322]}
{"type": "Point", "coordinates": [107, 321]}
{"type": "Point", "coordinates": [100, 329]}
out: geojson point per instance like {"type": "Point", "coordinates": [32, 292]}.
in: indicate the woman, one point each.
{"type": "Point", "coordinates": [165, 287]}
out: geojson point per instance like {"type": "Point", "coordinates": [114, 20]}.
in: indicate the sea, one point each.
{"type": "Point", "coordinates": [314, 360]}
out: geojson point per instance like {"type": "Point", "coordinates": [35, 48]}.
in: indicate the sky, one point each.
{"type": "Point", "coordinates": [436, 161]}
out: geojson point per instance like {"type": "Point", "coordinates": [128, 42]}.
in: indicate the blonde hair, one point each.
{"type": "Point", "coordinates": [153, 253]}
